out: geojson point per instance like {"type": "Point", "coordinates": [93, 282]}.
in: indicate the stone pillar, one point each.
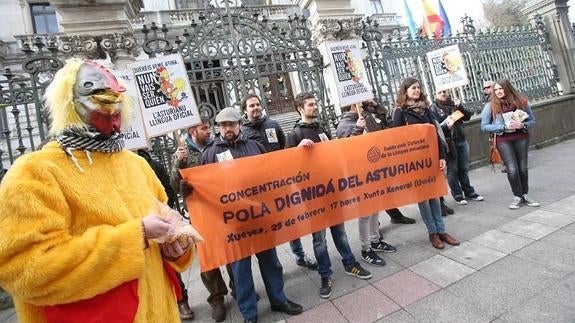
{"type": "Point", "coordinates": [332, 20]}
{"type": "Point", "coordinates": [555, 17]}
{"type": "Point", "coordinates": [93, 17]}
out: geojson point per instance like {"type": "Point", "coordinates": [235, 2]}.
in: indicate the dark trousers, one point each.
{"type": "Point", "coordinates": [215, 284]}
{"type": "Point", "coordinates": [514, 155]}
{"type": "Point", "coordinates": [183, 288]}
{"type": "Point", "coordinates": [272, 274]}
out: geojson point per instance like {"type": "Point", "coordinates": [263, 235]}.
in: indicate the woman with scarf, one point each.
{"type": "Point", "coordinates": [412, 107]}
{"type": "Point", "coordinates": [509, 116]}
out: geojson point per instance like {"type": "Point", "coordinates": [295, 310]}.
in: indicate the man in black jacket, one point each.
{"type": "Point", "coordinates": [260, 127]}
{"type": "Point", "coordinates": [232, 145]}
{"type": "Point", "coordinates": [267, 132]}
{"type": "Point", "coordinates": [306, 133]}
{"type": "Point", "coordinates": [443, 110]}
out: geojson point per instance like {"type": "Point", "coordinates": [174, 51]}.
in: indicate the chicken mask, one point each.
{"type": "Point", "coordinates": [86, 95]}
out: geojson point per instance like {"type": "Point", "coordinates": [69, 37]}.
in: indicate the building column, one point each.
{"type": "Point", "coordinates": [554, 14]}
{"type": "Point", "coordinates": [81, 17]}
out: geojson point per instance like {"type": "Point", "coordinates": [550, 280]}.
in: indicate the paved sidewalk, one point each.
{"type": "Point", "coordinates": [512, 266]}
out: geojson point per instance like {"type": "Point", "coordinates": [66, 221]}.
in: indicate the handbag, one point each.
{"type": "Point", "coordinates": [494, 156]}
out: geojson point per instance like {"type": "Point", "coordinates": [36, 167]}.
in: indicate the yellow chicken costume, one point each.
{"type": "Point", "coordinates": [72, 241]}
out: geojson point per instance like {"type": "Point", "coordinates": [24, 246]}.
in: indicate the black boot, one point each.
{"type": "Point", "coordinates": [445, 210]}
{"type": "Point", "coordinates": [398, 217]}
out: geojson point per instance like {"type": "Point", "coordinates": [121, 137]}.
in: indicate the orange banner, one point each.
{"type": "Point", "coordinates": [252, 204]}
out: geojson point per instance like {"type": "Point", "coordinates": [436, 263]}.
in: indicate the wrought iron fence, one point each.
{"type": "Point", "coordinates": [232, 52]}
{"type": "Point", "coordinates": [521, 54]}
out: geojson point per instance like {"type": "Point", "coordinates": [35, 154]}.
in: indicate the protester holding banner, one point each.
{"type": "Point", "coordinates": [412, 107]}
{"type": "Point", "coordinates": [351, 124]}
{"type": "Point", "coordinates": [232, 145]}
{"type": "Point", "coordinates": [305, 133]}
{"type": "Point", "coordinates": [451, 114]}
{"type": "Point", "coordinates": [376, 115]}
{"type": "Point", "coordinates": [261, 128]}
{"type": "Point", "coordinates": [190, 155]}
{"type": "Point", "coordinates": [509, 116]}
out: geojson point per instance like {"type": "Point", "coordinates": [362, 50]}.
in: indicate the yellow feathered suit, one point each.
{"type": "Point", "coordinates": [71, 231]}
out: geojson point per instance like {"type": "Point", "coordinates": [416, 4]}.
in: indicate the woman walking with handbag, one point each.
{"type": "Point", "coordinates": [412, 107]}
{"type": "Point", "coordinates": [509, 116]}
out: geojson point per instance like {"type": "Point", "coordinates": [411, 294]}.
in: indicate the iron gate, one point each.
{"type": "Point", "coordinates": [521, 54]}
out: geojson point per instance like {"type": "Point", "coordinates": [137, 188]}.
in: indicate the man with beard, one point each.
{"type": "Point", "coordinates": [232, 145]}
{"type": "Point", "coordinates": [267, 132]}
{"type": "Point", "coordinates": [190, 155]}
{"type": "Point", "coordinates": [487, 90]}
{"type": "Point", "coordinates": [443, 109]}
{"type": "Point", "coordinates": [306, 133]}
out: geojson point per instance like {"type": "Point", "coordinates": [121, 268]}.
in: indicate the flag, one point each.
{"type": "Point", "coordinates": [432, 22]}
{"type": "Point", "coordinates": [446, 24]}
{"type": "Point", "coordinates": [410, 22]}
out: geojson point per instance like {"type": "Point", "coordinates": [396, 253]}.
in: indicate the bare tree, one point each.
{"type": "Point", "coordinates": [504, 13]}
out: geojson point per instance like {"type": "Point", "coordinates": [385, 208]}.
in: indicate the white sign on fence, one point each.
{"type": "Point", "coordinates": [134, 134]}
{"type": "Point", "coordinates": [447, 68]}
{"type": "Point", "coordinates": [165, 94]}
{"type": "Point", "coordinates": [350, 74]}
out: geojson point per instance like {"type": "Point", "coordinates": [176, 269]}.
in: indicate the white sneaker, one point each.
{"type": "Point", "coordinates": [516, 203]}
{"type": "Point", "coordinates": [460, 201]}
{"type": "Point", "coordinates": [530, 202]}
{"type": "Point", "coordinates": [475, 197]}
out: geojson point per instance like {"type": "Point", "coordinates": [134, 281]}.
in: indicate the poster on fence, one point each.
{"type": "Point", "coordinates": [447, 68]}
{"type": "Point", "coordinates": [248, 205]}
{"type": "Point", "coordinates": [165, 94]}
{"type": "Point", "coordinates": [134, 134]}
{"type": "Point", "coordinates": [350, 75]}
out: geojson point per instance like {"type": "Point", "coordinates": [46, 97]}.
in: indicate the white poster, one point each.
{"type": "Point", "coordinates": [165, 94]}
{"type": "Point", "coordinates": [447, 68]}
{"type": "Point", "coordinates": [135, 134]}
{"type": "Point", "coordinates": [350, 75]}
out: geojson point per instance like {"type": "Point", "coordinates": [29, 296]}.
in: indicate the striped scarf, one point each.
{"type": "Point", "coordinates": [89, 140]}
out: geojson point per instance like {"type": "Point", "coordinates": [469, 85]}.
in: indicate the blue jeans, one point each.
{"type": "Point", "coordinates": [514, 155]}
{"type": "Point", "coordinates": [271, 270]}
{"type": "Point", "coordinates": [458, 172]}
{"type": "Point", "coordinates": [297, 249]}
{"type": "Point", "coordinates": [430, 211]}
{"type": "Point", "coordinates": [341, 244]}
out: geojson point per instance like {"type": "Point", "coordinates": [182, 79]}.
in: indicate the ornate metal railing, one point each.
{"type": "Point", "coordinates": [387, 20]}
{"type": "Point", "coordinates": [522, 55]}
{"type": "Point", "coordinates": [183, 17]}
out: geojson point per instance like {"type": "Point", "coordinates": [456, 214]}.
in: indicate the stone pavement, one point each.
{"type": "Point", "coordinates": [512, 266]}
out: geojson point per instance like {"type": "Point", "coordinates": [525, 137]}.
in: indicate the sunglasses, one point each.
{"type": "Point", "coordinates": [486, 87]}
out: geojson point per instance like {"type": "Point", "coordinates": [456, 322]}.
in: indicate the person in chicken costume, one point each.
{"type": "Point", "coordinates": [78, 216]}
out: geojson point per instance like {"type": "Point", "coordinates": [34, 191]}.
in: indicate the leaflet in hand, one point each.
{"type": "Point", "coordinates": [452, 118]}
{"type": "Point", "coordinates": [517, 115]}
